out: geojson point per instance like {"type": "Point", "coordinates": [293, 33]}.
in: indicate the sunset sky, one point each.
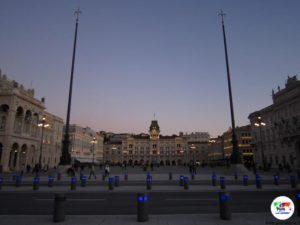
{"type": "Point", "coordinates": [139, 57]}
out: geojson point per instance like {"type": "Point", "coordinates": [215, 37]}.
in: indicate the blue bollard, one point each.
{"type": "Point", "coordinates": [276, 179]}
{"type": "Point", "coordinates": [125, 176]}
{"type": "Point", "coordinates": [186, 183]}
{"type": "Point", "coordinates": [298, 202]}
{"type": "Point", "coordinates": [149, 183]}
{"type": "Point", "coordinates": [117, 181]}
{"type": "Point", "coordinates": [83, 181]}
{"type": "Point", "coordinates": [36, 183]}
{"type": "Point", "coordinates": [111, 183]}
{"type": "Point", "coordinates": [142, 207]}
{"type": "Point", "coordinates": [258, 181]}
{"type": "Point", "coordinates": [50, 181]}
{"type": "Point", "coordinates": [222, 183]}
{"type": "Point", "coordinates": [224, 203]}
{"type": "Point", "coordinates": [73, 183]}
{"type": "Point", "coordinates": [214, 179]}
{"type": "Point", "coordinates": [181, 180]}
{"type": "Point", "coordinates": [245, 180]}
{"type": "Point", "coordinates": [18, 181]}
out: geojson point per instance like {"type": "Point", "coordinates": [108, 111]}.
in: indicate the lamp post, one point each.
{"type": "Point", "coordinates": [42, 124]}
{"type": "Point", "coordinates": [260, 124]}
{"type": "Point", "coordinates": [66, 157]}
{"type": "Point", "coordinates": [235, 155]}
{"type": "Point", "coordinates": [94, 141]}
{"type": "Point", "coordinates": [193, 147]}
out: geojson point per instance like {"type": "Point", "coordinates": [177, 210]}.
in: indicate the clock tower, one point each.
{"type": "Point", "coordinates": [154, 130]}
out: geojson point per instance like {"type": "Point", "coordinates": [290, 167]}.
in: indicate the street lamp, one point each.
{"type": "Point", "coordinates": [193, 147]}
{"type": "Point", "coordinates": [260, 124]}
{"type": "Point", "coordinates": [42, 124]}
{"type": "Point", "coordinates": [94, 141]}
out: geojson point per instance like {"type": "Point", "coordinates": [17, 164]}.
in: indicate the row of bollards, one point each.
{"type": "Point", "coordinates": [143, 206]}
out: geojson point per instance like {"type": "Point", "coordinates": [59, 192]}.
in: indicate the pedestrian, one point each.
{"type": "Point", "coordinates": [107, 170]}
{"type": "Point", "coordinates": [92, 172]}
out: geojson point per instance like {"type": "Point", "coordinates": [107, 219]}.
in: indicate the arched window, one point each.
{"type": "Point", "coordinates": [27, 122]}
{"type": "Point", "coordinates": [34, 125]}
{"type": "Point", "coordinates": [3, 115]}
{"type": "Point", "coordinates": [19, 120]}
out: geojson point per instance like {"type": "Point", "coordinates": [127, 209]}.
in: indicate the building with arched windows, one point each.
{"type": "Point", "coordinates": [276, 129]}
{"type": "Point", "coordinates": [21, 141]}
{"type": "Point", "coordinates": [155, 148]}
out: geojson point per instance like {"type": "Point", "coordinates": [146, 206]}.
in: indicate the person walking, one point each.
{"type": "Point", "coordinates": [92, 172]}
{"type": "Point", "coordinates": [107, 170]}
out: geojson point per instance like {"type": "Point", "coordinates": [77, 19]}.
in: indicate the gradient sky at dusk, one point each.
{"type": "Point", "coordinates": [137, 57]}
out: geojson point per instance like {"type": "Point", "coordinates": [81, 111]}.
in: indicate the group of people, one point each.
{"type": "Point", "coordinates": [93, 173]}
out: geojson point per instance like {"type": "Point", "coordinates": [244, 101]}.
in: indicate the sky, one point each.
{"type": "Point", "coordinates": [137, 58]}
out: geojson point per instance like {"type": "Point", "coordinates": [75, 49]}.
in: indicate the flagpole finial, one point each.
{"type": "Point", "coordinates": [222, 14]}
{"type": "Point", "coordinates": [77, 12]}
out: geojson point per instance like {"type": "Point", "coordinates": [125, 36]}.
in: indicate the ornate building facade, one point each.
{"type": "Point", "coordinates": [153, 148]}
{"type": "Point", "coordinates": [86, 145]}
{"type": "Point", "coordinates": [244, 138]}
{"type": "Point", "coordinates": [276, 128]}
{"type": "Point", "coordinates": [21, 141]}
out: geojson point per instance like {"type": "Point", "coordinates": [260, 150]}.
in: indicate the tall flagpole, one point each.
{"type": "Point", "coordinates": [235, 157]}
{"type": "Point", "coordinates": [66, 157]}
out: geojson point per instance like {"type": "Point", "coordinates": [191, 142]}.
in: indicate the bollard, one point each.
{"type": "Point", "coordinates": [83, 181]}
{"type": "Point", "coordinates": [186, 183]}
{"type": "Point", "coordinates": [276, 179]}
{"type": "Point", "coordinates": [245, 180]}
{"type": "Point", "coordinates": [36, 183]}
{"type": "Point", "coordinates": [193, 176]}
{"type": "Point", "coordinates": [149, 183]}
{"type": "Point", "coordinates": [170, 176]}
{"type": "Point", "coordinates": [236, 175]}
{"type": "Point", "coordinates": [73, 183]}
{"type": "Point", "coordinates": [50, 181]}
{"type": "Point", "coordinates": [18, 181]}
{"type": "Point", "coordinates": [1, 182]}
{"type": "Point", "coordinates": [125, 176]}
{"type": "Point", "coordinates": [58, 176]}
{"type": "Point", "coordinates": [214, 179]}
{"type": "Point", "coordinates": [59, 208]}
{"type": "Point", "coordinates": [117, 181]}
{"type": "Point", "coordinates": [110, 183]}
{"type": "Point", "coordinates": [298, 202]}
{"type": "Point", "coordinates": [142, 207]}
{"type": "Point", "coordinates": [222, 183]}
{"type": "Point", "coordinates": [14, 175]}
{"type": "Point", "coordinates": [293, 182]}
{"type": "Point", "coordinates": [258, 181]}
{"type": "Point", "coordinates": [181, 180]}
{"type": "Point", "coordinates": [224, 203]}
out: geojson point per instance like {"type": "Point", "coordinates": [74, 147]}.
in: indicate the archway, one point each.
{"type": "Point", "coordinates": [23, 156]}
{"type": "Point", "coordinates": [13, 156]}
{"type": "Point", "coordinates": [3, 116]}
{"type": "Point", "coordinates": [27, 122]}
{"type": "Point", "coordinates": [19, 120]}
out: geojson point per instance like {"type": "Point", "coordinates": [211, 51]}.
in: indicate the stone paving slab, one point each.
{"type": "Point", "coordinates": [184, 219]}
